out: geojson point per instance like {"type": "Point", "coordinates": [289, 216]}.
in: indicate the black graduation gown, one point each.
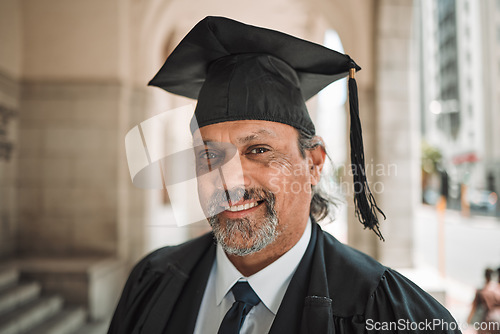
{"type": "Point", "coordinates": [336, 289]}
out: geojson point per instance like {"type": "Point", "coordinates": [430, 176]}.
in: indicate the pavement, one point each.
{"type": "Point", "coordinates": [471, 244]}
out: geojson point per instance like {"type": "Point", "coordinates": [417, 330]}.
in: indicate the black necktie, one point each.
{"type": "Point", "coordinates": [245, 299]}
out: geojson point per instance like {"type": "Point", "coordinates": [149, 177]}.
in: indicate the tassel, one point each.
{"type": "Point", "coordinates": [365, 204]}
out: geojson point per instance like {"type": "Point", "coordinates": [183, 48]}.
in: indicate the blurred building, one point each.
{"type": "Point", "coordinates": [460, 113]}
{"type": "Point", "coordinates": [73, 79]}
{"type": "Point", "coordinates": [490, 21]}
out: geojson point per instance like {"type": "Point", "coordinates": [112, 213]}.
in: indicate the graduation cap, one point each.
{"type": "Point", "coordinates": [242, 72]}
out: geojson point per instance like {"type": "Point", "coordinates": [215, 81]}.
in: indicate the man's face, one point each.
{"type": "Point", "coordinates": [253, 183]}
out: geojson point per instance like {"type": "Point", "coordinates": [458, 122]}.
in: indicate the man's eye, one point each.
{"type": "Point", "coordinates": [207, 155]}
{"type": "Point", "coordinates": [259, 150]}
{"type": "Point", "coordinates": [209, 160]}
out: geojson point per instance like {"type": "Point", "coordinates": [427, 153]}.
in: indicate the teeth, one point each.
{"type": "Point", "coordinates": [236, 208]}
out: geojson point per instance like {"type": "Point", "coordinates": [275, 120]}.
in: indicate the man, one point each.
{"type": "Point", "coordinates": [258, 160]}
{"type": "Point", "coordinates": [491, 297]}
{"type": "Point", "coordinates": [485, 312]}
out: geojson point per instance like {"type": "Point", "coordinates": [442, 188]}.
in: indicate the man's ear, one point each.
{"type": "Point", "coordinates": [316, 159]}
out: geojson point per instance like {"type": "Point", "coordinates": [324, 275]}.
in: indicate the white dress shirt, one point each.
{"type": "Point", "coordinates": [269, 284]}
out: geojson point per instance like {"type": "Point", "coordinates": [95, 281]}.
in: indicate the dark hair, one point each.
{"type": "Point", "coordinates": [488, 272]}
{"type": "Point", "coordinates": [322, 201]}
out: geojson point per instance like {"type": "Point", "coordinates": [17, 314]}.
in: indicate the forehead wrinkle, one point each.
{"type": "Point", "coordinates": [242, 140]}
{"type": "Point", "coordinates": [255, 135]}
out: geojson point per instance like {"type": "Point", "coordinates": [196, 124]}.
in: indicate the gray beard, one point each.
{"type": "Point", "coordinates": [255, 237]}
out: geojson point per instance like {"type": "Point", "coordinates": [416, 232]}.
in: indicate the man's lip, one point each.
{"type": "Point", "coordinates": [226, 205]}
{"type": "Point", "coordinates": [242, 212]}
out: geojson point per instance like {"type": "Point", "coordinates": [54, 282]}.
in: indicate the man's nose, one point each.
{"type": "Point", "coordinates": [232, 174]}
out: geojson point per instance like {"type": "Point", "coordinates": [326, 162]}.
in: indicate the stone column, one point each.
{"type": "Point", "coordinates": [397, 131]}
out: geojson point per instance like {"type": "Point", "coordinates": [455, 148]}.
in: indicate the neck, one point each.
{"type": "Point", "coordinates": [253, 263]}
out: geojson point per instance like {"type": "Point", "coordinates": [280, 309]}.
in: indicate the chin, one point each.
{"type": "Point", "coordinates": [243, 237]}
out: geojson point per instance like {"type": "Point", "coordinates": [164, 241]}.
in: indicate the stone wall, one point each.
{"type": "Point", "coordinates": [68, 156]}
{"type": "Point", "coordinates": [9, 100]}
{"type": "Point", "coordinates": [10, 70]}
{"type": "Point", "coordinates": [76, 102]}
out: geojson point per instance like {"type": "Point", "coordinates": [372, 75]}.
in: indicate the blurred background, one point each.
{"type": "Point", "coordinates": [73, 82]}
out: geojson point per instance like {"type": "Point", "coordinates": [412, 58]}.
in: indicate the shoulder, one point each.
{"type": "Point", "coordinates": [183, 256]}
{"type": "Point", "coordinates": [398, 300]}
{"type": "Point", "coordinates": [152, 275]}
{"type": "Point", "coordinates": [352, 260]}
{"type": "Point", "coordinates": [163, 264]}
{"type": "Point", "coordinates": [360, 285]}
{"type": "Point", "coordinates": [352, 276]}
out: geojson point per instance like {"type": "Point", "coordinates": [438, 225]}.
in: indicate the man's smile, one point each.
{"type": "Point", "coordinates": [241, 208]}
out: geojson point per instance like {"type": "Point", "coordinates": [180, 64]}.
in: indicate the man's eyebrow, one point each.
{"type": "Point", "coordinates": [255, 135]}
{"type": "Point", "coordinates": [241, 141]}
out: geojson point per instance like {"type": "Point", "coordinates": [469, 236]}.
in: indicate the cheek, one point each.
{"type": "Point", "coordinates": [205, 188]}
{"type": "Point", "coordinates": [289, 181]}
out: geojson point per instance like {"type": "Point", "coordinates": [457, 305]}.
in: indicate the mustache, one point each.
{"type": "Point", "coordinates": [220, 198]}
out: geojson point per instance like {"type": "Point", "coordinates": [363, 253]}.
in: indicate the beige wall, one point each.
{"type": "Point", "coordinates": [74, 112]}
{"type": "Point", "coordinates": [10, 38]}
{"type": "Point", "coordinates": [68, 158]}
{"type": "Point", "coordinates": [79, 41]}
{"type": "Point", "coordinates": [10, 71]}
{"type": "Point", "coordinates": [8, 170]}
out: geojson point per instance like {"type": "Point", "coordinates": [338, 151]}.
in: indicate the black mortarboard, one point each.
{"type": "Point", "coordinates": [242, 72]}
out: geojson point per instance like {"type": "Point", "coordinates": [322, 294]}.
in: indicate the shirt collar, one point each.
{"type": "Point", "coordinates": [270, 283]}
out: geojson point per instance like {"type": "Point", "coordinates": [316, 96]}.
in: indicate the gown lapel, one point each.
{"type": "Point", "coordinates": [179, 295]}
{"type": "Point", "coordinates": [306, 307]}
{"type": "Point", "coordinates": [183, 317]}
